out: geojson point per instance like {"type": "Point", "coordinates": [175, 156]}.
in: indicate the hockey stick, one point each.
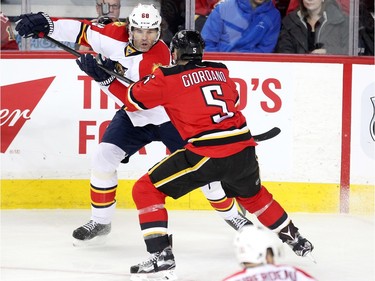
{"type": "Point", "coordinates": [267, 135]}
{"type": "Point", "coordinates": [261, 137]}
{"type": "Point", "coordinates": [78, 54]}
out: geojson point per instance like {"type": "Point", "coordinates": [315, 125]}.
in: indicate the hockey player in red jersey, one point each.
{"type": "Point", "coordinates": [257, 251]}
{"type": "Point", "coordinates": [136, 47]}
{"type": "Point", "coordinates": [201, 100]}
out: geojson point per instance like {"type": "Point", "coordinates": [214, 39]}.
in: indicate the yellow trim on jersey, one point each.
{"type": "Point", "coordinates": [129, 50]}
{"type": "Point", "coordinates": [119, 23]}
{"type": "Point", "coordinates": [163, 160]}
{"type": "Point", "coordinates": [182, 172]}
{"type": "Point", "coordinates": [82, 35]}
{"type": "Point", "coordinates": [221, 135]}
{"type": "Point", "coordinates": [131, 100]}
{"type": "Point", "coordinates": [155, 66]}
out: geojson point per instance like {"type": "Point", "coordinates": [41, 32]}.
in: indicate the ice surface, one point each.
{"type": "Point", "coordinates": [37, 245]}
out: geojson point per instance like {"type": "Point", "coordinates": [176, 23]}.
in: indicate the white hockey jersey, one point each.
{"type": "Point", "coordinates": [270, 272]}
{"type": "Point", "coordinates": [112, 41]}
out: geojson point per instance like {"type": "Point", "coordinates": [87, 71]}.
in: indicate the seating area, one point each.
{"type": "Point", "coordinates": [65, 8]}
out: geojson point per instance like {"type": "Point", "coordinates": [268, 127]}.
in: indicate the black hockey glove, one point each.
{"type": "Point", "coordinates": [89, 64]}
{"type": "Point", "coordinates": [34, 25]}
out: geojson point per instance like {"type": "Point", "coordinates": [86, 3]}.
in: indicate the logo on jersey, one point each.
{"type": "Point", "coordinates": [155, 66]}
{"type": "Point", "coordinates": [18, 101]}
{"type": "Point", "coordinates": [129, 50]}
{"type": "Point", "coordinates": [119, 23]}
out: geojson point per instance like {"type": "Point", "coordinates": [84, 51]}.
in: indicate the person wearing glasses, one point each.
{"type": "Point", "coordinates": [108, 11]}
{"type": "Point", "coordinates": [108, 8]}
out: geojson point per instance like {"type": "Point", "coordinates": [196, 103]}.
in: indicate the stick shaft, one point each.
{"type": "Point", "coordinates": [78, 54]}
{"type": "Point", "coordinates": [261, 137]}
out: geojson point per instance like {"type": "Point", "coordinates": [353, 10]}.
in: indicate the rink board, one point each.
{"type": "Point", "coordinates": [74, 194]}
{"type": "Point", "coordinates": [53, 117]}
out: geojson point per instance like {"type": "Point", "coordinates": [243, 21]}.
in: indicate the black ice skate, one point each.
{"type": "Point", "coordinates": [160, 266]}
{"type": "Point", "coordinates": [290, 235]}
{"type": "Point", "coordinates": [92, 233]}
{"type": "Point", "coordinates": [238, 222]}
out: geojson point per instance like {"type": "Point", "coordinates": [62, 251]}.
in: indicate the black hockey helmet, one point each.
{"type": "Point", "coordinates": [189, 45]}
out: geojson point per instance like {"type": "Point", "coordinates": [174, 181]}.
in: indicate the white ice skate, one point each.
{"type": "Point", "coordinates": [159, 267]}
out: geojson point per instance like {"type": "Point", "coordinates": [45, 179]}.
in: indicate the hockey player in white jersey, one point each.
{"type": "Point", "coordinates": [136, 46]}
{"type": "Point", "coordinates": [256, 250]}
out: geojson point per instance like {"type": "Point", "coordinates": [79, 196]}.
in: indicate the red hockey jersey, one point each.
{"type": "Point", "coordinates": [201, 101]}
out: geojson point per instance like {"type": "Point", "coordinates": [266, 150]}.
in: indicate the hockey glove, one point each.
{"type": "Point", "coordinates": [34, 25]}
{"type": "Point", "coordinates": [113, 65]}
{"type": "Point", "coordinates": [88, 64]}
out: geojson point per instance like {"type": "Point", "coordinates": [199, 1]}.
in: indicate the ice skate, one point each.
{"type": "Point", "coordinates": [238, 222]}
{"type": "Point", "coordinates": [160, 266]}
{"type": "Point", "coordinates": [92, 233]}
{"type": "Point", "coordinates": [300, 245]}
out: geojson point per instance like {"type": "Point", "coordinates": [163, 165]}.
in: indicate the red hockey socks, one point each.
{"type": "Point", "coordinates": [150, 204]}
{"type": "Point", "coordinates": [102, 197]}
{"type": "Point", "coordinates": [268, 211]}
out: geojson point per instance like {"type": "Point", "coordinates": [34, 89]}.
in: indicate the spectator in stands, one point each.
{"type": "Point", "coordinates": [250, 26]}
{"type": "Point", "coordinates": [294, 5]}
{"type": "Point", "coordinates": [173, 15]}
{"type": "Point", "coordinates": [317, 27]}
{"type": "Point", "coordinates": [366, 27]}
{"type": "Point", "coordinates": [173, 18]}
{"type": "Point", "coordinates": [108, 11]}
{"type": "Point", "coordinates": [8, 41]}
{"type": "Point", "coordinates": [202, 10]}
{"type": "Point", "coordinates": [108, 8]}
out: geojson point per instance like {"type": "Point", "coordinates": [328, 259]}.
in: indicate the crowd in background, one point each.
{"type": "Point", "coordinates": [249, 26]}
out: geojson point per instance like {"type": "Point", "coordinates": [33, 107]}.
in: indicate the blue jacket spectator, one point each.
{"type": "Point", "coordinates": [248, 26]}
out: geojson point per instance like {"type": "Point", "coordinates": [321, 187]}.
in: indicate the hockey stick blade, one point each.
{"type": "Point", "coordinates": [78, 54]}
{"type": "Point", "coordinates": [267, 135]}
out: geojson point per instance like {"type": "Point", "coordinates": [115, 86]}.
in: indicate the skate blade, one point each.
{"type": "Point", "coordinates": [165, 275]}
{"type": "Point", "coordinates": [311, 257]}
{"type": "Point", "coordinates": [96, 241]}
